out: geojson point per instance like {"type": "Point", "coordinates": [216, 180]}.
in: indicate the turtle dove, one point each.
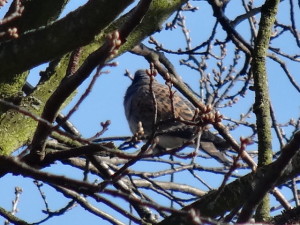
{"type": "Point", "coordinates": [140, 106]}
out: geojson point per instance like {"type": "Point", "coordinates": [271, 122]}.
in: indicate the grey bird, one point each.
{"type": "Point", "coordinates": [140, 106]}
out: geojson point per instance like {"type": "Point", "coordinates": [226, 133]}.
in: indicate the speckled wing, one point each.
{"type": "Point", "coordinates": [139, 106]}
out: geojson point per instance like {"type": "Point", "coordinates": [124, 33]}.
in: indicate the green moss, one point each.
{"type": "Point", "coordinates": [17, 129]}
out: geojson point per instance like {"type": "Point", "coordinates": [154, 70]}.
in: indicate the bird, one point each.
{"type": "Point", "coordinates": [143, 104]}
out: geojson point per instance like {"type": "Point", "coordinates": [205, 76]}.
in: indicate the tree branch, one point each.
{"type": "Point", "coordinates": [49, 42]}
{"type": "Point", "coordinates": [97, 59]}
{"type": "Point", "coordinates": [262, 99]}
{"type": "Point", "coordinates": [234, 194]}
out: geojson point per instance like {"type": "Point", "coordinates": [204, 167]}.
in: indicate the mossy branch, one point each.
{"type": "Point", "coordinates": [18, 129]}
{"type": "Point", "coordinates": [262, 99]}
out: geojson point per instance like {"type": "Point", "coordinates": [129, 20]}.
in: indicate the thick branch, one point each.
{"type": "Point", "coordinates": [16, 134]}
{"type": "Point", "coordinates": [270, 178]}
{"type": "Point", "coordinates": [32, 17]}
{"type": "Point", "coordinates": [69, 85]}
{"type": "Point", "coordinates": [57, 39]}
{"type": "Point", "coordinates": [262, 99]}
{"type": "Point", "coordinates": [234, 194]}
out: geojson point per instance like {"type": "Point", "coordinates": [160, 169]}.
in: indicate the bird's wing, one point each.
{"type": "Point", "coordinates": [210, 149]}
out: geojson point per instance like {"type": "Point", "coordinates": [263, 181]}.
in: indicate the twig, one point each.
{"type": "Point", "coordinates": [270, 178]}
{"type": "Point", "coordinates": [98, 59]}
{"type": "Point", "coordinates": [88, 206]}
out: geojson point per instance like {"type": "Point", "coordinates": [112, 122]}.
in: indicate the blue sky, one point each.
{"type": "Point", "coordinates": [106, 102]}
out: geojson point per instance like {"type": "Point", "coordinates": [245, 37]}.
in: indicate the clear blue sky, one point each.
{"type": "Point", "coordinates": [106, 102]}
